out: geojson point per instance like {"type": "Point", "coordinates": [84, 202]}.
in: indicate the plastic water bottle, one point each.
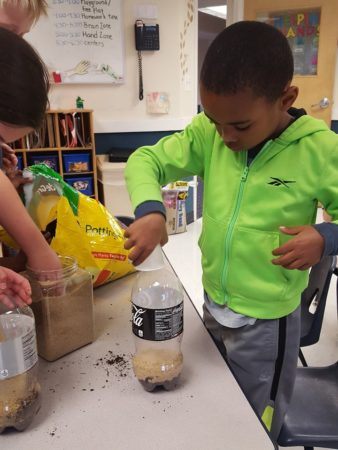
{"type": "Point", "coordinates": [19, 387]}
{"type": "Point", "coordinates": [157, 323]}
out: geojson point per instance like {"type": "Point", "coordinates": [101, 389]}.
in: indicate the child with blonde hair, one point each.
{"type": "Point", "coordinates": [20, 15]}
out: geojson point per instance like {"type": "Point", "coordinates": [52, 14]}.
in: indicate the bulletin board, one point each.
{"type": "Point", "coordinates": [81, 41]}
{"type": "Point", "coordinates": [301, 28]}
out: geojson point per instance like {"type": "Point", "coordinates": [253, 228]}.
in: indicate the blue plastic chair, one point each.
{"type": "Point", "coordinates": [313, 303]}
{"type": "Point", "coordinates": [312, 417]}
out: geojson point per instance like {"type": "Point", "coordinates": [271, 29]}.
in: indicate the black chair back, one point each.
{"type": "Point", "coordinates": [312, 418]}
{"type": "Point", "coordinates": [313, 300]}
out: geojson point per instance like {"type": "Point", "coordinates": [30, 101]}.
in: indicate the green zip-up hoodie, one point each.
{"type": "Point", "coordinates": [244, 206]}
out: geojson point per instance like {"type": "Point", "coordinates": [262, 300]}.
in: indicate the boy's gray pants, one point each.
{"type": "Point", "coordinates": [263, 358]}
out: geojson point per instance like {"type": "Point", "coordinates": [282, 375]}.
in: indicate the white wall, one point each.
{"type": "Point", "coordinates": [116, 107]}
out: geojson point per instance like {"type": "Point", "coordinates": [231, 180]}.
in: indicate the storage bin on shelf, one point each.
{"type": "Point", "coordinates": [81, 184]}
{"type": "Point", "coordinates": [48, 159]}
{"type": "Point", "coordinates": [76, 162]}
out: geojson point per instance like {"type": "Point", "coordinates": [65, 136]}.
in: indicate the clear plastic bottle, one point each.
{"type": "Point", "coordinates": [63, 308]}
{"type": "Point", "coordinates": [19, 387]}
{"type": "Point", "coordinates": [157, 323]}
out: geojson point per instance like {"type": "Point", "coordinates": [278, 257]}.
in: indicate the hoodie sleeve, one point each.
{"type": "Point", "coordinates": [329, 231]}
{"type": "Point", "coordinates": [328, 183]}
{"type": "Point", "coordinates": [172, 158]}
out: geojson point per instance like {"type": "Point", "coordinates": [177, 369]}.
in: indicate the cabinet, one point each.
{"type": "Point", "coordinates": [65, 142]}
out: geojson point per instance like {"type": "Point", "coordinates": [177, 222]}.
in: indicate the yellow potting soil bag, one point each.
{"type": "Point", "coordinates": [79, 225]}
{"type": "Point", "coordinates": [93, 237]}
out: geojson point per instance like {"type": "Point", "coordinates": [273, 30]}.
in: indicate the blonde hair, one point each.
{"type": "Point", "coordinates": [35, 8]}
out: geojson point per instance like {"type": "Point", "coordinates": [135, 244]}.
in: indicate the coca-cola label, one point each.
{"type": "Point", "coordinates": [157, 324]}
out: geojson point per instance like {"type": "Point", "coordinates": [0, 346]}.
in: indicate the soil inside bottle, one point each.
{"type": "Point", "coordinates": [158, 368]}
{"type": "Point", "coordinates": [19, 400]}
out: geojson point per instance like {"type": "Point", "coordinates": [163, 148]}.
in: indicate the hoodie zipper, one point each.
{"type": "Point", "coordinates": [228, 236]}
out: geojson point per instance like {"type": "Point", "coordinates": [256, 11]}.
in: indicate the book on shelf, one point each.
{"type": "Point", "coordinates": [50, 131]}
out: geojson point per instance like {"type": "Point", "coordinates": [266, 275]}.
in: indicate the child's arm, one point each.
{"type": "Point", "coordinates": [15, 290]}
{"type": "Point", "coordinates": [172, 158]}
{"type": "Point", "coordinates": [17, 222]}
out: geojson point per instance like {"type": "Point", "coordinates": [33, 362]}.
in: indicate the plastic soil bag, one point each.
{"type": "Point", "coordinates": [80, 226]}
{"type": "Point", "coordinates": [93, 237]}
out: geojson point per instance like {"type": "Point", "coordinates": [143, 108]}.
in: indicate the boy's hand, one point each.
{"type": "Point", "coordinates": [301, 252]}
{"type": "Point", "coordinates": [15, 290]}
{"type": "Point", "coordinates": [143, 235]}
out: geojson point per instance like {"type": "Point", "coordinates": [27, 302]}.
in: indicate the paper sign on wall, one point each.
{"type": "Point", "coordinates": [158, 103]}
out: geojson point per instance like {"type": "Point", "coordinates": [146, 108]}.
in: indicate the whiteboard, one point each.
{"type": "Point", "coordinates": [81, 41]}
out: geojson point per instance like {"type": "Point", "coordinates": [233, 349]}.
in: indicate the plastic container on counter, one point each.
{"type": "Point", "coordinates": [63, 308]}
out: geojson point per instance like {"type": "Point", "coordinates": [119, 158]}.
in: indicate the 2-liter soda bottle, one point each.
{"type": "Point", "coordinates": [19, 386]}
{"type": "Point", "coordinates": [157, 324]}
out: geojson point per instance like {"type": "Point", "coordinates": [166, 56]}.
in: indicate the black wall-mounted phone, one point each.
{"type": "Point", "coordinates": [147, 37]}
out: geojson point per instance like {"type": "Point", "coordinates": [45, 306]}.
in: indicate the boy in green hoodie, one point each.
{"type": "Point", "coordinates": [265, 165]}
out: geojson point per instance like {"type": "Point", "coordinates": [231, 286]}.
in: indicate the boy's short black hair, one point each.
{"type": "Point", "coordinates": [248, 54]}
{"type": "Point", "coordinates": [24, 82]}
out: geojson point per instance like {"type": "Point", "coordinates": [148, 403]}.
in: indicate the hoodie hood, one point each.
{"type": "Point", "coordinates": [303, 126]}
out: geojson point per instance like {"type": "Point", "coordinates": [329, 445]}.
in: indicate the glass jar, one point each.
{"type": "Point", "coordinates": [19, 387]}
{"type": "Point", "coordinates": [63, 308]}
{"type": "Point", "coordinates": [157, 323]}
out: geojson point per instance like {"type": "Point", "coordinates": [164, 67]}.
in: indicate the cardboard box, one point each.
{"type": "Point", "coordinates": [174, 196]}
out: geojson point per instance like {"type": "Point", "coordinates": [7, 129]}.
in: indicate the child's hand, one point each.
{"type": "Point", "coordinates": [15, 290]}
{"type": "Point", "coordinates": [10, 162]}
{"type": "Point", "coordinates": [9, 159]}
{"type": "Point", "coordinates": [301, 252]}
{"type": "Point", "coordinates": [143, 235]}
{"type": "Point", "coordinates": [17, 179]}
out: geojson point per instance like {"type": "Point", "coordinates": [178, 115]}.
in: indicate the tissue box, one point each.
{"type": "Point", "coordinates": [174, 196]}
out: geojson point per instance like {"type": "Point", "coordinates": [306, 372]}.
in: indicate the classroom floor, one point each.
{"type": "Point", "coordinates": [183, 252]}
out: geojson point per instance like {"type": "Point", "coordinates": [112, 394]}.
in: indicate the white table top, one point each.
{"type": "Point", "coordinates": [88, 403]}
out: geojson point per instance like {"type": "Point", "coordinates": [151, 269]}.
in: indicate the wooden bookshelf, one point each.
{"type": "Point", "coordinates": [66, 143]}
